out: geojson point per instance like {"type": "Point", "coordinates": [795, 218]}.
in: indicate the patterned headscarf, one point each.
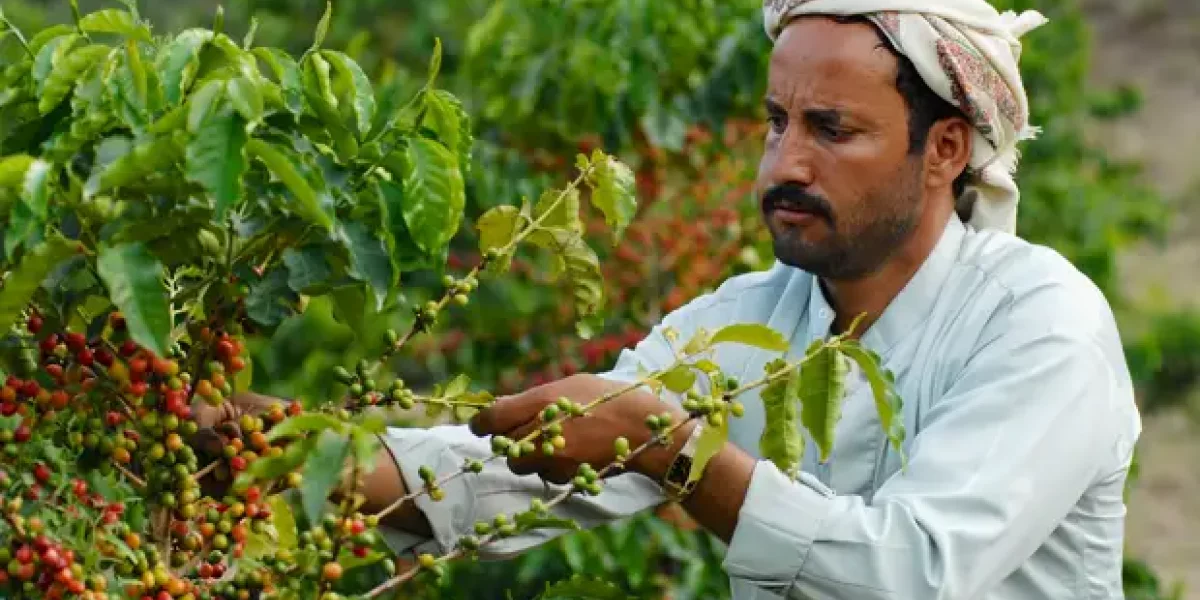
{"type": "Point", "coordinates": [967, 53]}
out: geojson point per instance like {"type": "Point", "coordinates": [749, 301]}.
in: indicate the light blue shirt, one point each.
{"type": "Point", "coordinates": [1020, 421]}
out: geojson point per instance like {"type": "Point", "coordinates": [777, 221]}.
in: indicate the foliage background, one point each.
{"type": "Point", "coordinates": [674, 89]}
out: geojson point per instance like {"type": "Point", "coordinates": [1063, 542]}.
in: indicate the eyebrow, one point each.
{"type": "Point", "coordinates": [824, 116]}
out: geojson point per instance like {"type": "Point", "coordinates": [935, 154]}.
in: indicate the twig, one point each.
{"type": "Point", "coordinates": [206, 470]}
{"type": "Point", "coordinates": [138, 481]}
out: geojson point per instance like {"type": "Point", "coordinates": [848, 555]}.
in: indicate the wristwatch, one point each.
{"type": "Point", "coordinates": [675, 482]}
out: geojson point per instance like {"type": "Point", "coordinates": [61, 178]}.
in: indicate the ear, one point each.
{"type": "Point", "coordinates": [947, 152]}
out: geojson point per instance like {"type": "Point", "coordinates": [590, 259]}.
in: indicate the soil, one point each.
{"type": "Point", "coordinates": [1155, 44]}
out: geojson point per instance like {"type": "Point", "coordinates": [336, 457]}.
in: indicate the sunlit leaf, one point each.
{"type": "Point", "coordinates": [613, 192]}
{"type": "Point", "coordinates": [780, 441]}
{"type": "Point", "coordinates": [216, 159]}
{"type": "Point", "coordinates": [752, 334]}
{"type": "Point", "coordinates": [355, 94]}
{"type": "Point", "coordinates": [712, 439]}
{"type": "Point", "coordinates": [497, 228]}
{"type": "Point", "coordinates": [434, 194]}
{"type": "Point", "coordinates": [179, 60]}
{"type": "Point", "coordinates": [559, 209]}
{"type": "Point", "coordinates": [822, 387]}
{"type": "Point", "coordinates": [66, 72]}
{"type": "Point", "coordinates": [113, 20]}
{"type": "Point", "coordinates": [680, 379]}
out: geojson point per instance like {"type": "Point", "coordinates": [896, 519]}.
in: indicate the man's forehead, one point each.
{"type": "Point", "coordinates": [819, 51]}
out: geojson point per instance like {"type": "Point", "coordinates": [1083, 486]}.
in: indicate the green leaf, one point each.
{"type": "Point", "coordinates": [116, 21]}
{"type": "Point", "coordinates": [216, 161]}
{"type": "Point", "coordinates": [321, 472]}
{"type": "Point", "coordinates": [712, 439]}
{"type": "Point", "coordinates": [405, 253]}
{"type": "Point", "coordinates": [887, 402]}
{"type": "Point", "coordinates": [201, 102]}
{"type": "Point", "coordinates": [179, 60]}
{"type": "Point", "coordinates": [781, 441]}
{"type": "Point", "coordinates": [308, 269]}
{"type": "Point", "coordinates": [353, 89]}
{"type": "Point", "coordinates": [700, 341]}
{"type": "Point", "coordinates": [446, 117]}
{"type": "Point", "coordinates": [680, 379]}
{"type": "Point", "coordinates": [270, 300]}
{"type": "Point", "coordinates": [146, 159]}
{"type": "Point", "coordinates": [613, 192]}
{"type": "Point", "coordinates": [66, 73]}
{"type": "Point", "coordinates": [307, 204]}
{"type": "Point", "coordinates": [435, 64]}
{"type": "Point", "coordinates": [434, 194]}
{"type": "Point", "coordinates": [133, 277]}
{"type": "Point", "coordinates": [527, 521]}
{"type": "Point", "coordinates": [304, 423]}
{"type": "Point", "coordinates": [578, 263]}
{"type": "Point", "coordinates": [822, 386]}
{"type": "Point", "coordinates": [13, 169]}
{"type": "Point", "coordinates": [23, 281]}
{"type": "Point", "coordinates": [580, 587]}
{"type": "Point", "coordinates": [561, 210]}
{"type": "Point", "coordinates": [752, 334]}
{"type": "Point", "coordinates": [322, 27]}
{"type": "Point", "coordinates": [497, 228]}
{"type": "Point", "coordinates": [369, 260]}
{"type": "Point", "coordinates": [55, 51]}
{"type": "Point", "coordinates": [247, 99]}
{"type": "Point", "coordinates": [29, 215]}
{"type": "Point", "coordinates": [287, 72]}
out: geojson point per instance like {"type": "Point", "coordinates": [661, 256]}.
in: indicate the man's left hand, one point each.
{"type": "Point", "coordinates": [590, 438]}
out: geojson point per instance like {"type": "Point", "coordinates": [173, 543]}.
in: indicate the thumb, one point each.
{"type": "Point", "coordinates": [508, 413]}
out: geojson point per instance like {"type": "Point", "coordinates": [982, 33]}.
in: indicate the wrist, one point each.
{"type": "Point", "coordinates": [656, 460]}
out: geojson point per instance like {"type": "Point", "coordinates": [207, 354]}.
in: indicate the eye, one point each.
{"type": "Point", "coordinates": [834, 133]}
{"type": "Point", "coordinates": [777, 121]}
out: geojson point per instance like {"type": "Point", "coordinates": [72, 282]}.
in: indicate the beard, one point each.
{"type": "Point", "coordinates": [860, 239]}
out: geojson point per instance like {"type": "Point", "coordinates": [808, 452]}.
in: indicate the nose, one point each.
{"type": "Point", "coordinates": [789, 160]}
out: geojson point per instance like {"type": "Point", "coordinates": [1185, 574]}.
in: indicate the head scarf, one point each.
{"type": "Point", "coordinates": [967, 53]}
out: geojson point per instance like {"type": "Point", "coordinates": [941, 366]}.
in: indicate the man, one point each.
{"type": "Point", "coordinates": [886, 185]}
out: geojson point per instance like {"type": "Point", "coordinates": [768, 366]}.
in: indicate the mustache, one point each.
{"type": "Point", "coordinates": [792, 196]}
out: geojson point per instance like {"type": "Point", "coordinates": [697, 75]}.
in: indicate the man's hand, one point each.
{"type": "Point", "coordinates": [589, 439]}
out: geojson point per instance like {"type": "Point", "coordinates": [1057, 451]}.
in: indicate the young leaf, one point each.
{"type": "Point", "coordinates": [578, 262]}
{"type": "Point", "coordinates": [497, 228]}
{"type": "Point", "coordinates": [781, 441]}
{"type": "Point", "coordinates": [134, 279]}
{"type": "Point", "coordinates": [322, 28]}
{"type": "Point", "coordinates": [55, 51]}
{"type": "Point", "coordinates": [247, 99]}
{"type": "Point", "coordinates": [305, 423]}
{"type": "Point", "coordinates": [353, 89]}
{"type": "Point", "coordinates": [200, 104]}
{"type": "Point", "coordinates": [565, 211]}
{"type": "Point", "coordinates": [179, 60]}
{"type": "Point", "coordinates": [712, 439]}
{"type": "Point", "coordinates": [13, 169]}
{"type": "Point", "coordinates": [435, 64]}
{"type": "Point", "coordinates": [307, 204]}
{"type": "Point", "coordinates": [66, 73]}
{"type": "Point", "coordinates": [287, 72]}
{"type": "Point", "coordinates": [887, 402]}
{"type": "Point", "coordinates": [445, 116]}
{"type": "Point", "coordinates": [29, 215]}
{"type": "Point", "coordinates": [434, 194]}
{"type": "Point", "coordinates": [116, 21]}
{"type": "Point", "coordinates": [369, 260]}
{"type": "Point", "coordinates": [753, 334]}
{"type": "Point", "coordinates": [680, 379]}
{"type": "Point", "coordinates": [613, 192]}
{"type": "Point", "coordinates": [216, 161]}
{"type": "Point", "coordinates": [822, 386]}
{"type": "Point", "coordinates": [153, 157]}
{"type": "Point", "coordinates": [24, 280]}
{"type": "Point", "coordinates": [321, 471]}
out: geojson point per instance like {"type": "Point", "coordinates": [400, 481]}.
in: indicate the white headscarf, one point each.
{"type": "Point", "coordinates": [967, 53]}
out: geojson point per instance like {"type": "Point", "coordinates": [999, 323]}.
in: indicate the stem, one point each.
{"type": "Point", "coordinates": [347, 509]}
{"type": "Point", "coordinates": [19, 36]}
{"type": "Point", "coordinates": [138, 481]}
{"type": "Point", "coordinates": [206, 470]}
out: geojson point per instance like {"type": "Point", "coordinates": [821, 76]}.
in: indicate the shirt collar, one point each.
{"type": "Point", "coordinates": [909, 309]}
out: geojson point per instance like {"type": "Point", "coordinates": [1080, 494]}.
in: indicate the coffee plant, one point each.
{"type": "Point", "coordinates": [165, 197]}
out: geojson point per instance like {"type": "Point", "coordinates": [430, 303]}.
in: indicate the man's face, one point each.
{"type": "Point", "coordinates": [838, 189]}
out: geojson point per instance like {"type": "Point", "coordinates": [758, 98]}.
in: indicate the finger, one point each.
{"type": "Point", "coordinates": [510, 412]}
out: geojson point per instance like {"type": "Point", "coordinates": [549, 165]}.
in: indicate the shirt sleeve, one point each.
{"type": "Point", "coordinates": [1001, 459]}
{"type": "Point", "coordinates": [496, 490]}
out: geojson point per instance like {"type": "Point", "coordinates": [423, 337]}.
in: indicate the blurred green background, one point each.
{"type": "Point", "coordinates": [674, 88]}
